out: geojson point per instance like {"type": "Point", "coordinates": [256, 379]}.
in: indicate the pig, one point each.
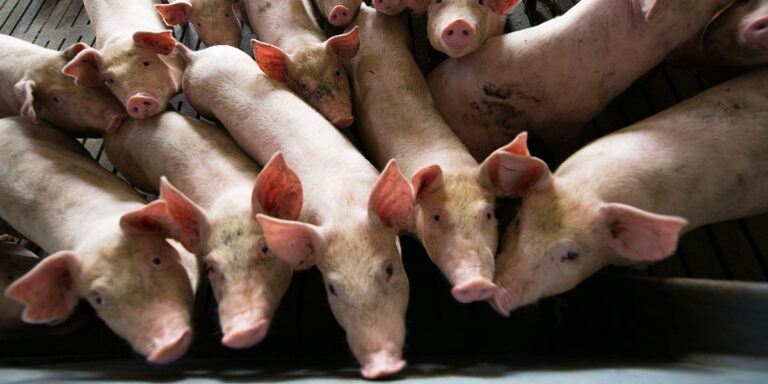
{"type": "Point", "coordinates": [351, 214]}
{"type": "Point", "coordinates": [395, 7]}
{"type": "Point", "coordinates": [338, 12]}
{"type": "Point", "coordinates": [736, 39]}
{"type": "Point", "coordinates": [15, 261]}
{"type": "Point", "coordinates": [216, 195]}
{"type": "Point", "coordinates": [521, 81]}
{"type": "Point", "coordinates": [107, 244]}
{"type": "Point", "coordinates": [626, 197]}
{"type": "Point", "coordinates": [454, 195]}
{"type": "Point", "coordinates": [217, 22]}
{"type": "Point", "coordinates": [34, 86]}
{"type": "Point", "coordinates": [459, 27]}
{"type": "Point", "coordinates": [293, 49]}
{"type": "Point", "coordinates": [134, 55]}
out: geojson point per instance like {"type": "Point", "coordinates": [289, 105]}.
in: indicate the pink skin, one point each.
{"type": "Point", "coordinates": [338, 12]}
{"type": "Point", "coordinates": [15, 261]}
{"type": "Point", "coordinates": [349, 223]}
{"type": "Point", "coordinates": [395, 7]}
{"type": "Point", "coordinates": [454, 194]}
{"type": "Point", "coordinates": [136, 60]}
{"type": "Point", "coordinates": [622, 199]}
{"type": "Point", "coordinates": [519, 81]}
{"type": "Point", "coordinates": [34, 86]}
{"type": "Point", "coordinates": [736, 39]}
{"type": "Point", "coordinates": [216, 195]}
{"type": "Point", "coordinates": [458, 27]}
{"type": "Point", "coordinates": [217, 22]}
{"type": "Point", "coordinates": [294, 50]}
{"type": "Point", "coordinates": [139, 283]}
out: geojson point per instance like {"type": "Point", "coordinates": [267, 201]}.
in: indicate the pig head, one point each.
{"type": "Point", "coordinates": [338, 12]}
{"type": "Point", "coordinates": [362, 269]}
{"type": "Point", "coordinates": [561, 236]}
{"type": "Point", "coordinates": [217, 22]}
{"type": "Point", "coordinates": [129, 273]}
{"type": "Point", "coordinates": [141, 70]}
{"type": "Point", "coordinates": [458, 27]}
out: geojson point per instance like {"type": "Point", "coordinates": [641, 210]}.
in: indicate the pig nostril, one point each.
{"type": "Point", "coordinates": [465, 32]}
{"type": "Point", "coordinates": [135, 109]}
{"type": "Point", "coordinates": [147, 103]}
{"type": "Point", "coordinates": [450, 33]}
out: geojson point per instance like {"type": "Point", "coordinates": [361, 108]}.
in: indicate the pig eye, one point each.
{"type": "Point", "coordinates": [570, 255]}
{"type": "Point", "coordinates": [438, 1]}
{"type": "Point", "coordinates": [156, 261]}
{"type": "Point", "coordinates": [388, 270]}
{"type": "Point", "coordinates": [199, 25]}
{"type": "Point", "coordinates": [480, 2]}
{"type": "Point", "coordinates": [56, 99]}
{"type": "Point", "coordinates": [488, 215]}
{"type": "Point", "coordinates": [436, 217]}
{"type": "Point", "coordinates": [111, 80]}
{"type": "Point", "coordinates": [338, 73]}
{"type": "Point", "coordinates": [10, 277]}
{"type": "Point", "coordinates": [226, 14]}
{"type": "Point", "coordinates": [146, 63]}
{"type": "Point", "coordinates": [264, 249]}
{"type": "Point", "coordinates": [332, 289]}
{"type": "Point", "coordinates": [99, 300]}
{"type": "Point", "coordinates": [305, 87]}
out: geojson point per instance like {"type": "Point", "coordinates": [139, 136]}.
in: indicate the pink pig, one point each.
{"type": "Point", "coordinates": [552, 78]}
{"type": "Point", "coordinates": [109, 245]}
{"type": "Point", "coordinates": [338, 12]}
{"type": "Point", "coordinates": [458, 27]}
{"type": "Point", "coordinates": [220, 192]}
{"type": "Point", "coordinates": [351, 213]}
{"type": "Point", "coordinates": [626, 197]}
{"type": "Point", "coordinates": [34, 86]}
{"type": "Point", "coordinates": [217, 22]}
{"type": "Point", "coordinates": [736, 38]}
{"type": "Point", "coordinates": [454, 195]}
{"type": "Point", "coordinates": [133, 56]}
{"type": "Point", "coordinates": [293, 50]}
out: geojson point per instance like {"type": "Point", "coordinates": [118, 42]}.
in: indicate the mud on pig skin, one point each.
{"type": "Point", "coordinates": [108, 245]}
{"type": "Point", "coordinates": [292, 49]}
{"type": "Point", "coordinates": [736, 39]}
{"type": "Point", "coordinates": [220, 191]}
{"type": "Point", "coordinates": [217, 22]}
{"type": "Point", "coordinates": [34, 86]}
{"type": "Point", "coordinates": [134, 55]}
{"type": "Point", "coordinates": [351, 213]}
{"type": "Point", "coordinates": [522, 81]}
{"type": "Point", "coordinates": [626, 197]}
{"type": "Point", "coordinates": [454, 195]}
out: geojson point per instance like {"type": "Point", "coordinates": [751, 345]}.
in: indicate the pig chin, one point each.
{"type": "Point", "coordinates": [381, 362]}
{"type": "Point", "coordinates": [166, 342]}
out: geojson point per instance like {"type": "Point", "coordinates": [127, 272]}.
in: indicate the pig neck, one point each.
{"type": "Point", "coordinates": [20, 59]}
{"type": "Point", "coordinates": [688, 160]}
{"type": "Point", "coordinates": [397, 117]}
{"type": "Point", "coordinates": [265, 117]}
{"type": "Point", "coordinates": [115, 18]}
{"type": "Point", "coordinates": [286, 24]}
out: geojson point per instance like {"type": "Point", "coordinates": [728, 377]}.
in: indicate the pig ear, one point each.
{"type": "Point", "coordinates": [502, 6]}
{"type": "Point", "coordinates": [154, 217]}
{"type": "Point", "coordinates": [278, 190]}
{"type": "Point", "coordinates": [640, 235]}
{"type": "Point", "coordinates": [392, 198]}
{"type": "Point", "coordinates": [426, 181]}
{"type": "Point", "coordinates": [73, 50]}
{"type": "Point", "coordinates": [25, 93]}
{"type": "Point", "coordinates": [48, 290]}
{"type": "Point", "coordinates": [644, 8]}
{"type": "Point", "coordinates": [84, 67]}
{"type": "Point", "coordinates": [272, 60]}
{"type": "Point", "coordinates": [191, 218]}
{"type": "Point", "coordinates": [345, 46]}
{"type": "Point", "coordinates": [161, 42]}
{"type": "Point", "coordinates": [175, 13]}
{"type": "Point", "coordinates": [299, 244]}
{"type": "Point", "coordinates": [512, 170]}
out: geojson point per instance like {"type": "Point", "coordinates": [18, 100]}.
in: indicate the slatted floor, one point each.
{"type": "Point", "coordinates": [733, 250]}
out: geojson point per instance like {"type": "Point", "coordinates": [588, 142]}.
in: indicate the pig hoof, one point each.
{"type": "Point", "coordinates": [246, 336]}
{"type": "Point", "coordinates": [165, 353]}
{"type": "Point", "coordinates": [475, 290]}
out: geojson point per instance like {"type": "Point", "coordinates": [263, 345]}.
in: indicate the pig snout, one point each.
{"type": "Point", "coordinates": [386, 5]}
{"type": "Point", "coordinates": [458, 34]}
{"type": "Point", "coordinates": [245, 329]}
{"type": "Point", "coordinates": [114, 120]}
{"type": "Point", "coordinates": [340, 16]}
{"type": "Point", "coordinates": [474, 290]}
{"type": "Point", "coordinates": [169, 345]}
{"type": "Point", "coordinates": [141, 105]}
{"type": "Point", "coordinates": [756, 33]}
{"type": "Point", "coordinates": [381, 363]}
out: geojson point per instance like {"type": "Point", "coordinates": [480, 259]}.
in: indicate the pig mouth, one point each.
{"type": "Point", "coordinates": [245, 329]}
{"type": "Point", "coordinates": [114, 121]}
{"type": "Point", "coordinates": [166, 351]}
{"type": "Point", "coordinates": [501, 301]}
